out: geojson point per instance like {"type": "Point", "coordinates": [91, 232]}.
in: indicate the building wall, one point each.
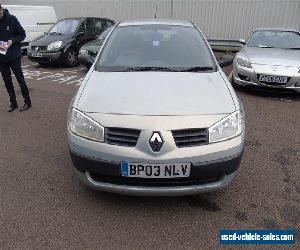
{"type": "Point", "coordinates": [218, 19]}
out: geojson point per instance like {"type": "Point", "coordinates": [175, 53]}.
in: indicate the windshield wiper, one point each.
{"type": "Point", "coordinates": [55, 33]}
{"type": "Point", "coordinates": [265, 47]}
{"type": "Point", "coordinates": [197, 69]}
{"type": "Point", "coordinates": [150, 69]}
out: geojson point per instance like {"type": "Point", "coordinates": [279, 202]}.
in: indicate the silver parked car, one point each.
{"type": "Point", "coordinates": [156, 115]}
{"type": "Point", "coordinates": [270, 58]}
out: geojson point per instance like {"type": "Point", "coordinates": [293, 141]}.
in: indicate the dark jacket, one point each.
{"type": "Point", "coordinates": [11, 29]}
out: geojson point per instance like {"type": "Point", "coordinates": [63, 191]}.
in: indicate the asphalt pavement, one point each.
{"type": "Point", "coordinates": [44, 206]}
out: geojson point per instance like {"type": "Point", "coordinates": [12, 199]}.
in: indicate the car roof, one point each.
{"type": "Point", "coordinates": [156, 21]}
{"type": "Point", "coordinates": [76, 18]}
{"type": "Point", "coordinates": [276, 29]}
{"type": "Point", "coordinates": [82, 18]}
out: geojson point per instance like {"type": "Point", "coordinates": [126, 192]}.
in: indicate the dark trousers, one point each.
{"type": "Point", "coordinates": [15, 67]}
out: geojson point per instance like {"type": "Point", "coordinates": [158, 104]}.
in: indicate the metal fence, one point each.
{"type": "Point", "coordinates": [218, 19]}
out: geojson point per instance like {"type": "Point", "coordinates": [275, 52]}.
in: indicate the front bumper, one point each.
{"type": "Point", "coordinates": [213, 167]}
{"type": "Point", "coordinates": [156, 191]}
{"type": "Point", "coordinates": [248, 77]}
{"type": "Point", "coordinates": [47, 57]}
{"type": "Point", "coordinates": [86, 60]}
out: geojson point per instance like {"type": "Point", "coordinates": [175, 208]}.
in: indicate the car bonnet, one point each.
{"type": "Point", "coordinates": [156, 93]}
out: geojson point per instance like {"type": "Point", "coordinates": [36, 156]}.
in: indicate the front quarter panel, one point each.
{"type": "Point", "coordinates": [230, 89]}
{"type": "Point", "coordinates": [70, 43]}
{"type": "Point", "coordinates": [80, 91]}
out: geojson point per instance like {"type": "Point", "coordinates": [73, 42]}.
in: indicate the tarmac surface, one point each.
{"type": "Point", "coordinates": [43, 204]}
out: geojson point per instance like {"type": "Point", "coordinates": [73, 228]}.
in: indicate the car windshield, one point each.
{"type": "Point", "coordinates": [275, 39]}
{"type": "Point", "coordinates": [156, 47]}
{"type": "Point", "coordinates": [65, 27]}
{"type": "Point", "coordinates": [105, 33]}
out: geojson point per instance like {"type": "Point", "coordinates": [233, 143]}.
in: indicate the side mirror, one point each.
{"type": "Point", "coordinates": [226, 61]}
{"type": "Point", "coordinates": [80, 34]}
{"type": "Point", "coordinates": [242, 41]}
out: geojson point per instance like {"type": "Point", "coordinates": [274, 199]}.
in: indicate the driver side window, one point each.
{"type": "Point", "coordinates": [86, 27]}
{"type": "Point", "coordinates": [99, 26]}
{"type": "Point", "coordinates": [82, 27]}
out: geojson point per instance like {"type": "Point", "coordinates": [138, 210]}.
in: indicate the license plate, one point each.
{"type": "Point", "coordinates": [141, 170]}
{"type": "Point", "coordinates": [273, 79]}
{"type": "Point", "coordinates": [35, 54]}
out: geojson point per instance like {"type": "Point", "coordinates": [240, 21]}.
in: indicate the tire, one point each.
{"type": "Point", "coordinates": [70, 58]}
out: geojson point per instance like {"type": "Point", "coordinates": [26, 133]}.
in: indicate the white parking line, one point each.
{"type": "Point", "coordinates": [53, 77]}
{"type": "Point", "coordinates": [26, 66]}
{"type": "Point", "coordinates": [69, 71]}
{"type": "Point", "coordinates": [74, 70]}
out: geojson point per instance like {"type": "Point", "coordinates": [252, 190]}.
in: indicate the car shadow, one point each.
{"type": "Point", "coordinates": [284, 95]}
{"type": "Point", "coordinates": [210, 202]}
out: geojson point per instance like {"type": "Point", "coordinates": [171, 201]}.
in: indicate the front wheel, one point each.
{"type": "Point", "coordinates": [71, 58]}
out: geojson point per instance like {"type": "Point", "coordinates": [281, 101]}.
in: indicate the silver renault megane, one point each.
{"type": "Point", "coordinates": [270, 58]}
{"type": "Point", "coordinates": [156, 115]}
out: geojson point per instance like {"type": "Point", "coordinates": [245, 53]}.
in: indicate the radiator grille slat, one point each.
{"type": "Point", "coordinates": [39, 48]}
{"type": "Point", "coordinates": [190, 137]}
{"type": "Point", "coordinates": [122, 136]}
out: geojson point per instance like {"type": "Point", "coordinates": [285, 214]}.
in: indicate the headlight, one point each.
{"type": "Point", "coordinates": [229, 127]}
{"type": "Point", "coordinates": [83, 126]}
{"type": "Point", "coordinates": [244, 63]}
{"type": "Point", "coordinates": [55, 45]}
{"type": "Point", "coordinates": [83, 52]}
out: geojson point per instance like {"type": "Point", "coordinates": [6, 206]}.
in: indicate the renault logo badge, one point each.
{"type": "Point", "coordinates": [156, 142]}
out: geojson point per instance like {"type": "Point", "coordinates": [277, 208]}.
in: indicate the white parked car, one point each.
{"type": "Point", "coordinates": [36, 20]}
{"type": "Point", "coordinates": [270, 59]}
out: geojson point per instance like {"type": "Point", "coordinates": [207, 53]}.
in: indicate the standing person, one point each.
{"type": "Point", "coordinates": [12, 33]}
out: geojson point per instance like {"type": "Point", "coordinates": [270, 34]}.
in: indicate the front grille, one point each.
{"type": "Point", "coordinates": [39, 48]}
{"type": "Point", "coordinates": [122, 136]}
{"type": "Point", "coordinates": [23, 44]}
{"type": "Point", "coordinates": [147, 182]}
{"type": "Point", "coordinates": [190, 137]}
{"type": "Point", "coordinates": [93, 54]}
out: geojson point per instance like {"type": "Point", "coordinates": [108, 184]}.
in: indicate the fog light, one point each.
{"type": "Point", "coordinates": [244, 78]}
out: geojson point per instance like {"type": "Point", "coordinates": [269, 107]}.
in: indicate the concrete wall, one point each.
{"type": "Point", "coordinates": [218, 19]}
